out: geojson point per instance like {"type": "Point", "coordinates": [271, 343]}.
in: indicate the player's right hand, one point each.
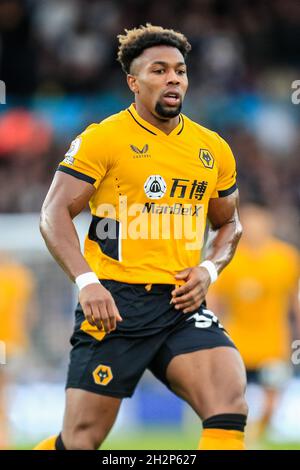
{"type": "Point", "coordinates": [99, 307]}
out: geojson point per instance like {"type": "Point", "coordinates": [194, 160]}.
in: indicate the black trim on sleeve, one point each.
{"type": "Point", "coordinates": [228, 191]}
{"type": "Point", "coordinates": [76, 174]}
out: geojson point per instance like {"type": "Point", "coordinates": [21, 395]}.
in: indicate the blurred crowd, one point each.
{"type": "Point", "coordinates": [70, 45]}
{"type": "Point", "coordinates": [58, 61]}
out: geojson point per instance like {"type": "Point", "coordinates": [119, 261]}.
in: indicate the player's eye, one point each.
{"type": "Point", "coordinates": [181, 72]}
{"type": "Point", "coordinates": [158, 71]}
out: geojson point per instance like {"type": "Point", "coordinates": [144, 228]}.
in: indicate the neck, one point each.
{"type": "Point", "coordinates": [165, 125]}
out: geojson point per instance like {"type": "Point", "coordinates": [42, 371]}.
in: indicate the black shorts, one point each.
{"type": "Point", "coordinates": [151, 334]}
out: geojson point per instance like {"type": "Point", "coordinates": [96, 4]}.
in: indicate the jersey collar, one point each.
{"type": "Point", "coordinates": [152, 129]}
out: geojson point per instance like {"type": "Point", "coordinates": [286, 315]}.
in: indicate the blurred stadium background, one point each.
{"type": "Point", "coordinates": [58, 62]}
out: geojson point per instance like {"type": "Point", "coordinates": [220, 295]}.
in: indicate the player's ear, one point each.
{"type": "Point", "coordinates": [132, 83]}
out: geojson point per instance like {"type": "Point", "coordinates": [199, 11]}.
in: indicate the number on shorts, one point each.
{"type": "Point", "coordinates": [206, 319]}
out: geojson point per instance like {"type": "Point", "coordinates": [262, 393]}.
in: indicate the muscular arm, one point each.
{"type": "Point", "coordinates": [226, 231]}
{"type": "Point", "coordinates": [66, 198]}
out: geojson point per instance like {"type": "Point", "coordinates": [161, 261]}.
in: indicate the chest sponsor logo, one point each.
{"type": "Point", "coordinates": [155, 187]}
{"type": "Point", "coordinates": [188, 189]}
{"type": "Point", "coordinates": [176, 208]}
{"type": "Point", "coordinates": [206, 158]}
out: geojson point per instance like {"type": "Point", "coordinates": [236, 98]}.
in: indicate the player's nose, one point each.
{"type": "Point", "coordinates": [172, 77]}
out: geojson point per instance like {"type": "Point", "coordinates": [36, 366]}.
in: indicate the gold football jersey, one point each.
{"type": "Point", "coordinates": [151, 194]}
{"type": "Point", "coordinates": [256, 289]}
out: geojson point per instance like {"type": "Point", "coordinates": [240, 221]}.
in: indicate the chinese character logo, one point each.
{"type": "Point", "coordinates": [183, 188]}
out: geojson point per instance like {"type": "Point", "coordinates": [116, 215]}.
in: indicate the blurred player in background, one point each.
{"type": "Point", "coordinates": [149, 309]}
{"type": "Point", "coordinates": [254, 297]}
{"type": "Point", "coordinates": [16, 320]}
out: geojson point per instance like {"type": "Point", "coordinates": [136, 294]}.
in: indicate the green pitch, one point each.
{"type": "Point", "coordinates": [164, 439]}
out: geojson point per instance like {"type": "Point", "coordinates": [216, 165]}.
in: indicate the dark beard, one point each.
{"type": "Point", "coordinates": [167, 113]}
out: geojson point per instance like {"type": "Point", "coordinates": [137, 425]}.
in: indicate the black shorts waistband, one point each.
{"type": "Point", "coordinates": [149, 287]}
{"type": "Point", "coordinates": [142, 288]}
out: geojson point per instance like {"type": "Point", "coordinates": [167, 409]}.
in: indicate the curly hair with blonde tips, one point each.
{"type": "Point", "coordinates": [136, 40]}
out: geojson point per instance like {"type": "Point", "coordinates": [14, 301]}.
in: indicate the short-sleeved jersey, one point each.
{"type": "Point", "coordinates": [152, 193]}
{"type": "Point", "coordinates": [16, 286]}
{"type": "Point", "coordinates": [256, 289]}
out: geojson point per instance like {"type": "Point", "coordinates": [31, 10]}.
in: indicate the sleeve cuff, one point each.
{"type": "Point", "coordinates": [76, 174]}
{"type": "Point", "coordinates": [228, 191]}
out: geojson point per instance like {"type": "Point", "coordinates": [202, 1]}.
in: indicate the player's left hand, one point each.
{"type": "Point", "coordinates": [190, 296]}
